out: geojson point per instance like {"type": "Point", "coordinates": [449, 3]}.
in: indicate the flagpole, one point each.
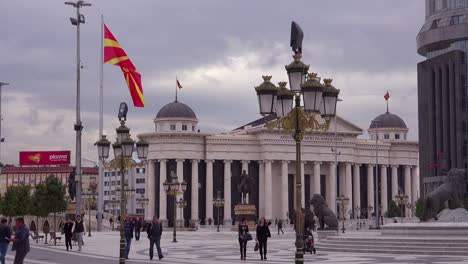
{"type": "Point", "coordinates": [176, 89]}
{"type": "Point", "coordinates": [101, 121]}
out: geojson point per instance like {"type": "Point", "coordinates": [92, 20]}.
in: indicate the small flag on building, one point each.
{"type": "Point", "coordinates": [178, 84]}
{"type": "Point", "coordinates": [387, 96]}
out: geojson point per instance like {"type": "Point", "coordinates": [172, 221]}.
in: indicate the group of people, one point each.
{"type": "Point", "coordinates": [261, 237]}
{"type": "Point", "coordinates": [77, 229]}
{"type": "Point", "coordinates": [153, 231]}
{"type": "Point", "coordinates": [20, 242]}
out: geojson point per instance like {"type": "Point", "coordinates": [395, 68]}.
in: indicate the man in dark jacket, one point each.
{"type": "Point", "coordinates": [137, 228]}
{"type": "Point", "coordinates": [79, 229]}
{"type": "Point", "coordinates": [21, 241]}
{"type": "Point", "coordinates": [5, 234]}
{"type": "Point", "coordinates": [154, 231]}
{"type": "Point", "coordinates": [128, 228]}
{"type": "Point", "coordinates": [67, 230]}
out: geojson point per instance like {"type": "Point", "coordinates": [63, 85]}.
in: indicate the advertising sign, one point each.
{"type": "Point", "coordinates": [44, 157]}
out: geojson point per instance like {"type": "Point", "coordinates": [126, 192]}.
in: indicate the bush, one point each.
{"type": "Point", "coordinates": [419, 208]}
{"type": "Point", "coordinates": [393, 210]}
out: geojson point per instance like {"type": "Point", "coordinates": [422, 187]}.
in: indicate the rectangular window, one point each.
{"type": "Point", "coordinates": [113, 173]}
{"type": "Point", "coordinates": [184, 127]}
{"type": "Point", "coordinates": [140, 180]}
{"type": "Point", "coordinates": [172, 127]}
{"type": "Point", "coordinates": [386, 136]}
{"type": "Point", "coordinates": [193, 128]}
{"type": "Point", "coordinates": [397, 136]}
{"type": "Point", "coordinates": [140, 211]}
{"type": "Point", "coordinates": [140, 190]}
{"type": "Point", "coordinates": [456, 20]}
{"type": "Point", "coordinates": [435, 24]}
{"type": "Point", "coordinates": [140, 170]}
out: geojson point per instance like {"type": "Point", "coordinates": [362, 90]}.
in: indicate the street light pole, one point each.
{"type": "Point", "coordinates": [78, 127]}
{"type": "Point", "coordinates": [1, 139]}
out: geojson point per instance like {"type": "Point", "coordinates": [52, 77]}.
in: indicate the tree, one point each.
{"type": "Point", "coordinates": [54, 194]}
{"type": "Point", "coordinates": [393, 210]}
{"type": "Point", "coordinates": [39, 205]}
{"type": "Point", "coordinates": [17, 201]}
{"type": "Point", "coordinates": [419, 208]}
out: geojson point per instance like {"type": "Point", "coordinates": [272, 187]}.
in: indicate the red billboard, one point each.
{"type": "Point", "coordinates": [44, 157]}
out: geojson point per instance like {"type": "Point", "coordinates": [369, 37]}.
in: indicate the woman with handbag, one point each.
{"type": "Point", "coordinates": [263, 233]}
{"type": "Point", "coordinates": [243, 237]}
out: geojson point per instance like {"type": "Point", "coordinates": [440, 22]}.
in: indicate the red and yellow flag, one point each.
{"type": "Point", "coordinates": [115, 55]}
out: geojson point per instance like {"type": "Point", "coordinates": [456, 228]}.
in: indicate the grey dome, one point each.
{"type": "Point", "coordinates": [176, 109]}
{"type": "Point", "coordinates": [388, 120]}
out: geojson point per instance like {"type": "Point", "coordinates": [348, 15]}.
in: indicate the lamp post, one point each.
{"type": "Point", "coordinates": [314, 115]}
{"type": "Point", "coordinates": [369, 211]}
{"type": "Point", "coordinates": [343, 202]}
{"type": "Point", "coordinates": [123, 150]}
{"type": "Point", "coordinates": [182, 204]}
{"type": "Point", "coordinates": [90, 196]}
{"type": "Point", "coordinates": [129, 193]}
{"type": "Point", "coordinates": [357, 211]}
{"type": "Point", "coordinates": [401, 199]}
{"type": "Point", "coordinates": [78, 127]}
{"type": "Point", "coordinates": [174, 188]}
{"type": "Point", "coordinates": [411, 207]}
{"type": "Point", "coordinates": [376, 174]}
{"type": "Point", "coordinates": [218, 202]}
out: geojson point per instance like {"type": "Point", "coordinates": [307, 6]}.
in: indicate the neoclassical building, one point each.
{"type": "Point", "coordinates": [213, 162]}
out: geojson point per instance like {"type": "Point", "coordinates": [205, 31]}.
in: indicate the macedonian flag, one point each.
{"type": "Point", "coordinates": [115, 55]}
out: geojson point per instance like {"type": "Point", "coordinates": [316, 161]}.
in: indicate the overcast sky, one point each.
{"type": "Point", "coordinates": [218, 49]}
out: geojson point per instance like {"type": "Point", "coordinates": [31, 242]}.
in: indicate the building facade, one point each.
{"type": "Point", "coordinates": [32, 175]}
{"type": "Point", "coordinates": [213, 162]}
{"type": "Point", "coordinates": [442, 90]}
{"type": "Point", "coordinates": [135, 185]}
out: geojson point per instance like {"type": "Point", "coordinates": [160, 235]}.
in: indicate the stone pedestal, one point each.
{"type": "Point", "coordinates": [246, 211]}
{"type": "Point", "coordinates": [70, 212]}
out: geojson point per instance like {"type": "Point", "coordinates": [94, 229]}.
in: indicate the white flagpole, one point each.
{"type": "Point", "coordinates": [101, 120]}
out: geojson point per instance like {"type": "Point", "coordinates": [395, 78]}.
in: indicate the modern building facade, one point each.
{"type": "Point", "coordinates": [442, 90]}
{"type": "Point", "coordinates": [213, 162]}
{"type": "Point", "coordinates": [135, 185]}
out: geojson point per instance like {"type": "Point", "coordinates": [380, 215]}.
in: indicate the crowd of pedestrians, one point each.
{"type": "Point", "coordinates": [20, 241]}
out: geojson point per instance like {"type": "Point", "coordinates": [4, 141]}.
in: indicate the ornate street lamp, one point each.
{"type": "Point", "coordinates": [411, 207]}
{"type": "Point", "coordinates": [90, 196]}
{"type": "Point", "coordinates": [218, 202]}
{"type": "Point", "coordinates": [182, 204]}
{"type": "Point", "coordinates": [315, 115]}
{"type": "Point", "coordinates": [174, 188]}
{"type": "Point", "coordinates": [343, 202]}
{"type": "Point", "coordinates": [123, 150]}
{"type": "Point", "coordinates": [369, 211]}
{"type": "Point", "coordinates": [401, 199]}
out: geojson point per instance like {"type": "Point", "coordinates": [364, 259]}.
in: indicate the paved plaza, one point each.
{"type": "Point", "coordinates": [205, 246]}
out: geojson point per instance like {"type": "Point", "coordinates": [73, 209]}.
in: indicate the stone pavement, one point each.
{"type": "Point", "coordinates": [206, 246]}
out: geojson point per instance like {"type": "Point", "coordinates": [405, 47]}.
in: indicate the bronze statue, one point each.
{"type": "Point", "coordinates": [246, 187]}
{"type": "Point", "coordinates": [450, 191]}
{"type": "Point", "coordinates": [324, 214]}
{"type": "Point", "coordinates": [72, 185]}
{"type": "Point", "coordinates": [297, 35]}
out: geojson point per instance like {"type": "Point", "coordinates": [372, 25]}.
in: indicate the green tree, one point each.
{"type": "Point", "coordinates": [419, 208]}
{"type": "Point", "coordinates": [393, 210]}
{"type": "Point", "coordinates": [39, 206]}
{"type": "Point", "coordinates": [17, 201]}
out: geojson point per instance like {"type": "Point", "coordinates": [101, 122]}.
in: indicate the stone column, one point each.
{"type": "Point", "coordinates": [408, 188]}
{"type": "Point", "coordinates": [261, 187]}
{"type": "Point", "coordinates": [415, 184]}
{"type": "Point", "coordinates": [316, 186]}
{"type": "Point", "coordinates": [209, 190]}
{"type": "Point", "coordinates": [370, 188]}
{"type": "Point", "coordinates": [194, 198]}
{"type": "Point", "coordinates": [180, 178]}
{"type": "Point", "coordinates": [284, 189]}
{"type": "Point", "coordinates": [383, 188]}
{"type": "Point", "coordinates": [162, 193]}
{"type": "Point", "coordinates": [349, 188]}
{"type": "Point", "coordinates": [331, 200]}
{"type": "Point", "coordinates": [341, 176]}
{"type": "Point", "coordinates": [268, 190]}
{"type": "Point", "coordinates": [227, 192]}
{"type": "Point", "coordinates": [357, 189]}
{"type": "Point", "coordinates": [394, 181]}
{"type": "Point", "coordinates": [303, 184]}
{"type": "Point", "coordinates": [150, 191]}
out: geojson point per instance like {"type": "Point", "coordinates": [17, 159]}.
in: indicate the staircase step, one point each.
{"type": "Point", "coordinates": [395, 247]}
{"type": "Point", "coordinates": [438, 252]}
{"type": "Point", "coordinates": [394, 243]}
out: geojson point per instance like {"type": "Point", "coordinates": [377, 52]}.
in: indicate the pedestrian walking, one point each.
{"type": "Point", "coordinates": [79, 229]}
{"type": "Point", "coordinates": [244, 236]}
{"type": "Point", "coordinates": [21, 241]}
{"type": "Point", "coordinates": [5, 235]}
{"type": "Point", "coordinates": [128, 228]}
{"type": "Point", "coordinates": [263, 233]}
{"type": "Point", "coordinates": [154, 231]}
{"type": "Point", "coordinates": [280, 226]}
{"type": "Point", "coordinates": [68, 231]}
{"type": "Point", "coordinates": [137, 228]}
{"type": "Point", "coordinates": [111, 222]}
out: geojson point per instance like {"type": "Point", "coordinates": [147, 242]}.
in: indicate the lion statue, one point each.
{"type": "Point", "coordinates": [324, 214]}
{"type": "Point", "coordinates": [450, 191]}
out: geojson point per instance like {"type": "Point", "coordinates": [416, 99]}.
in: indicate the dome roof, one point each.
{"type": "Point", "coordinates": [388, 120]}
{"type": "Point", "coordinates": [176, 109]}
